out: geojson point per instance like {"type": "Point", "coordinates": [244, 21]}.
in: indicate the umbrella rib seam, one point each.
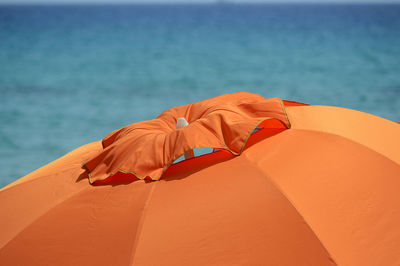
{"type": "Point", "coordinates": [56, 204]}
{"type": "Point", "coordinates": [292, 204]}
{"type": "Point", "coordinates": [351, 140]}
{"type": "Point", "coordinates": [22, 180]}
{"type": "Point", "coordinates": [140, 225]}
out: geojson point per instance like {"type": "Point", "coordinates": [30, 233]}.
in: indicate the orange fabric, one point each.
{"type": "Point", "coordinates": [347, 194]}
{"type": "Point", "coordinates": [324, 192]}
{"type": "Point", "coordinates": [292, 103]}
{"type": "Point", "coordinates": [28, 198]}
{"type": "Point", "coordinates": [148, 148]}
{"type": "Point", "coordinates": [273, 127]}
{"type": "Point", "coordinates": [376, 133]}
{"type": "Point", "coordinates": [228, 213]}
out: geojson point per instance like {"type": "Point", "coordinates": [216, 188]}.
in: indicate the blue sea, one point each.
{"type": "Point", "coordinates": [71, 74]}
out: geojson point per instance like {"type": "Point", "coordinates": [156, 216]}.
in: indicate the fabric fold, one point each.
{"type": "Point", "coordinates": [148, 148]}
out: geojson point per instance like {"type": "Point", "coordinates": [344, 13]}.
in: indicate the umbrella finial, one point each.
{"type": "Point", "coordinates": [181, 122]}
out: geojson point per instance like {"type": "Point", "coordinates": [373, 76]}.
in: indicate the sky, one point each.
{"type": "Point", "coordinates": [188, 1]}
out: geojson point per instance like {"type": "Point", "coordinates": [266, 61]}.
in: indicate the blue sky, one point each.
{"type": "Point", "coordinates": [190, 1]}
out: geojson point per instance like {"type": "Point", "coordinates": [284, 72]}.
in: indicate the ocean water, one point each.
{"type": "Point", "coordinates": [71, 74]}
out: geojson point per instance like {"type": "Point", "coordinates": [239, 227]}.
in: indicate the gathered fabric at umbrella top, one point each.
{"type": "Point", "coordinates": [148, 148]}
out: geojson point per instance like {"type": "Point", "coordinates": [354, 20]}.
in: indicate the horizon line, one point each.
{"type": "Point", "coordinates": [49, 2]}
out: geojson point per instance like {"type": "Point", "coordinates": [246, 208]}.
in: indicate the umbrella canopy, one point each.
{"type": "Point", "coordinates": [317, 185]}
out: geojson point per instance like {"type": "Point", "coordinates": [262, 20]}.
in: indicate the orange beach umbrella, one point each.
{"type": "Point", "coordinates": [313, 185]}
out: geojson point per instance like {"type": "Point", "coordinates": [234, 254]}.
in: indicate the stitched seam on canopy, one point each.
{"type": "Point", "coordinates": [249, 134]}
{"type": "Point", "coordinates": [352, 140]}
{"type": "Point", "coordinates": [291, 203]}
{"type": "Point", "coordinates": [23, 182]}
{"type": "Point", "coordinates": [140, 225]}
{"type": "Point", "coordinates": [55, 205]}
{"type": "Point", "coordinates": [284, 111]}
{"type": "Point", "coordinates": [111, 175]}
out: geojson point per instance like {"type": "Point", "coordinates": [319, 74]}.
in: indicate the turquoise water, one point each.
{"type": "Point", "coordinates": [71, 74]}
